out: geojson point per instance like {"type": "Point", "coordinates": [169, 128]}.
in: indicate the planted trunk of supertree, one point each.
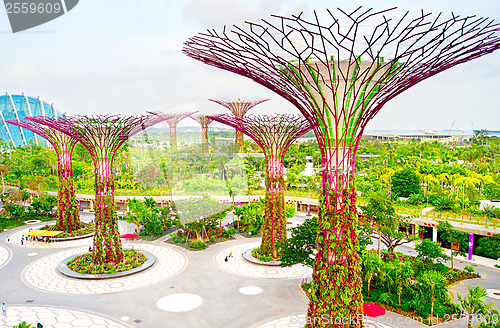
{"type": "Point", "coordinates": [239, 108]}
{"type": "Point", "coordinates": [107, 246]}
{"type": "Point", "coordinates": [204, 121]}
{"type": "Point", "coordinates": [274, 225]}
{"type": "Point", "coordinates": [172, 120]}
{"type": "Point", "coordinates": [68, 217]}
{"type": "Point", "coordinates": [274, 134]}
{"type": "Point", "coordinates": [102, 136]}
{"type": "Point", "coordinates": [335, 74]}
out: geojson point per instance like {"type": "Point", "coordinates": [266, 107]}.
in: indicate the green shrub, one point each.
{"type": "Point", "coordinates": [469, 268]}
{"type": "Point", "coordinates": [197, 245]}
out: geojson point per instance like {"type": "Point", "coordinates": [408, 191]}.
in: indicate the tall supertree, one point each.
{"type": "Point", "coordinates": [239, 107]}
{"type": "Point", "coordinates": [204, 121]}
{"type": "Point", "coordinates": [274, 134]}
{"type": "Point", "coordinates": [335, 73]}
{"type": "Point", "coordinates": [102, 135]}
{"type": "Point", "coordinates": [68, 217]}
{"type": "Point", "coordinates": [172, 120]}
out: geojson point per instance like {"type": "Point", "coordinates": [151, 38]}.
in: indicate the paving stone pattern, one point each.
{"type": "Point", "coordinates": [55, 318]}
{"type": "Point", "coordinates": [238, 265]}
{"type": "Point", "coordinates": [43, 274]}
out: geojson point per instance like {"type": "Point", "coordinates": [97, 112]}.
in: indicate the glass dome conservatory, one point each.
{"type": "Point", "coordinates": [16, 107]}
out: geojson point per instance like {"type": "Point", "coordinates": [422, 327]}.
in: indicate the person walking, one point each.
{"type": "Point", "coordinates": [4, 309]}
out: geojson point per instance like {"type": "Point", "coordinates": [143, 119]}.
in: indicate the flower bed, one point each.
{"type": "Point", "coordinates": [83, 263]}
{"type": "Point", "coordinates": [86, 228]}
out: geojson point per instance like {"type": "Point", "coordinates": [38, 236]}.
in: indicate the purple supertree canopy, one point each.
{"type": "Point", "coordinates": [273, 133]}
{"type": "Point", "coordinates": [60, 141]}
{"type": "Point", "coordinates": [239, 107]}
{"type": "Point", "coordinates": [102, 135]}
{"type": "Point", "coordinates": [306, 62]}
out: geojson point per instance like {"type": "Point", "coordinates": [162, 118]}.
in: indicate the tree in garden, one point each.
{"type": "Point", "coordinates": [370, 266]}
{"type": "Point", "coordinates": [337, 75]}
{"type": "Point", "coordinates": [142, 213]}
{"type": "Point", "coordinates": [435, 283]}
{"type": "Point", "coordinates": [389, 224]}
{"type": "Point", "coordinates": [431, 250]}
{"type": "Point", "coordinates": [198, 213]}
{"type": "Point", "coordinates": [401, 274]}
{"type": "Point", "coordinates": [172, 120]}
{"type": "Point", "coordinates": [102, 135]}
{"type": "Point", "coordinates": [491, 190]}
{"type": "Point", "coordinates": [453, 237]}
{"type": "Point", "coordinates": [405, 183]}
{"type": "Point", "coordinates": [68, 216]}
{"type": "Point", "coordinates": [301, 246]}
{"type": "Point", "coordinates": [274, 134]}
{"type": "Point", "coordinates": [204, 121]}
{"type": "Point", "coordinates": [239, 107]}
{"type": "Point", "coordinates": [473, 304]}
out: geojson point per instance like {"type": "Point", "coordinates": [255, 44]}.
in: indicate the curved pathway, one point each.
{"type": "Point", "coordinates": [42, 274]}
{"type": "Point", "coordinates": [4, 256]}
{"type": "Point", "coordinates": [238, 265]}
{"type": "Point", "coordinates": [56, 317]}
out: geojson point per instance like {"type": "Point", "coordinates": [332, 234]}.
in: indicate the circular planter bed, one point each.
{"type": "Point", "coordinates": [247, 255]}
{"type": "Point", "coordinates": [65, 270]}
{"type": "Point", "coordinates": [72, 238]}
{"type": "Point", "coordinates": [32, 221]}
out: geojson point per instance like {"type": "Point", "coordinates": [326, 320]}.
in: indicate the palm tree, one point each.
{"type": "Point", "coordinates": [473, 304]}
{"type": "Point", "coordinates": [434, 283]}
{"type": "Point", "coordinates": [371, 265]}
{"type": "Point", "coordinates": [401, 275]}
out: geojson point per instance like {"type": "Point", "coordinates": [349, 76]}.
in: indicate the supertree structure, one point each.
{"type": "Point", "coordinates": [274, 134]}
{"type": "Point", "coordinates": [172, 120]}
{"type": "Point", "coordinates": [337, 74]}
{"type": "Point", "coordinates": [68, 217]}
{"type": "Point", "coordinates": [239, 107]}
{"type": "Point", "coordinates": [102, 135]}
{"type": "Point", "coordinates": [204, 121]}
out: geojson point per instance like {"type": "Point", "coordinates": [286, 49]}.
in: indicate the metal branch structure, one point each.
{"type": "Point", "coordinates": [204, 121]}
{"type": "Point", "coordinates": [239, 107]}
{"type": "Point", "coordinates": [102, 135]}
{"type": "Point", "coordinates": [274, 134]}
{"type": "Point", "coordinates": [172, 120]}
{"type": "Point", "coordinates": [339, 71]}
{"type": "Point", "coordinates": [68, 217]}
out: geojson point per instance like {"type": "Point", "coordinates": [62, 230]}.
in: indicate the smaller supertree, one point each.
{"type": "Point", "coordinates": [274, 134]}
{"type": "Point", "coordinates": [68, 218]}
{"type": "Point", "coordinates": [239, 107]}
{"type": "Point", "coordinates": [102, 135]}
{"type": "Point", "coordinates": [204, 121]}
{"type": "Point", "coordinates": [172, 120]}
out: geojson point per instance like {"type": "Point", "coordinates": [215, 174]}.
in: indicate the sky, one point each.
{"type": "Point", "coordinates": [125, 57]}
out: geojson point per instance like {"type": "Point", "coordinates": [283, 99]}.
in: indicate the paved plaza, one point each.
{"type": "Point", "coordinates": [57, 318]}
{"type": "Point", "coordinates": [183, 289]}
{"type": "Point", "coordinates": [41, 274]}
{"type": "Point", "coordinates": [238, 265]}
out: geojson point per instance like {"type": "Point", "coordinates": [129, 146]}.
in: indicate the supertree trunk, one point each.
{"type": "Point", "coordinates": [68, 217]}
{"type": "Point", "coordinates": [173, 138]}
{"type": "Point", "coordinates": [274, 226]}
{"type": "Point", "coordinates": [239, 141]}
{"type": "Point", "coordinates": [337, 285]}
{"type": "Point", "coordinates": [204, 135]}
{"type": "Point", "coordinates": [107, 245]}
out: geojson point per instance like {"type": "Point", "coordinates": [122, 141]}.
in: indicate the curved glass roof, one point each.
{"type": "Point", "coordinates": [16, 107]}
